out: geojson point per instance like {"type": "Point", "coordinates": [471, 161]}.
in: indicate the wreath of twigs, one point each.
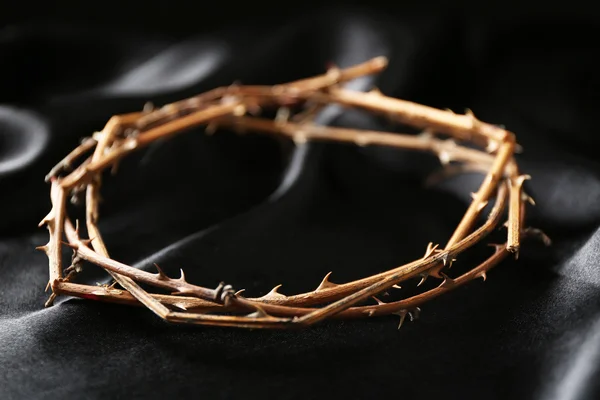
{"type": "Point", "coordinates": [460, 141]}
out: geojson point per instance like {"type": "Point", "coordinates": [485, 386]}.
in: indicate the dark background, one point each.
{"type": "Point", "coordinates": [242, 210]}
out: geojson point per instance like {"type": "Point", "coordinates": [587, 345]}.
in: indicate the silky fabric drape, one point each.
{"type": "Point", "coordinates": [256, 212]}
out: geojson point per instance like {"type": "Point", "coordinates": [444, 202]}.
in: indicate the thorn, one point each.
{"type": "Point", "coordinates": [518, 148]}
{"type": "Point", "coordinates": [377, 300]}
{"type": "Point", "coordinates": [426, 135]}
{"type": "Point", "coordinates": [283, 115]}
{"type": "Point", "coordinates": [473, 195]}
{"type": "Point", "coordinates": [111, 286]}
{"type": "Point", "coordinates": [492, 146]}
{"type": "Point", "coordinates": [527, 198]}
{"type": "Point", "coordinates": [445, 157]}
{"type": "Point", "coordinates": [402, 315]}
{"type": "Point", "coordinates": [448, 282]}
{"type": "Point", "coordinates": [239, 292]}
{"type": "Point", "coordinates": [448, 260]}
{"type": "Point", "coordinates": [161, 273]}
{"type": "Point", "coordinates": [47, 286]}
{"type": "Point", "coordinates": [371, 312]}
{"type": "Point", "coordinates": [43, 248]}
{"type": "Point", "coordinates": [505, 224]}
{"type": "Point", "coordinates": [539, 234]}
{"type": "Point", "coordinates": [397, 286]}
{"type": "Point", "coordinates": [148, 107]}
{"type": "Point", "coordinates": [211, 128]}
{"type": "Point", "coordinates": [414, 314]}
{"type": "Point", "coordinates": [48, 219]}
{"type": "Point", "coordinates": [430, 249]}
{"type": "Point", "coordinates": [50, 301]}
{"type": "Point", "coordinates": [482, 275]}
{"type": "Point", "coordinates": [182, 277]}
{"type": "Point", "coordinates": [86, 242]}
{"type": "Point", "coordinates": [518, 181]}
{"type": "Point", "coordinates": [259, 313]}
{"type": "Point", "coordinates": [274, 294]}
{"type": "Point", "coordinates": [482, 205]}
{"type": "Point", "coordinates": [299, 138]}
{"type": "Point", "coordinates": [385, 294]}
{"type": "Point", "coordinates": [325, 283]}
{"type": "Point", "coordinates": [181, 306]}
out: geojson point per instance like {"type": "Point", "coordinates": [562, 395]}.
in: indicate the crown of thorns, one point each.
{"type": "Point", "coordinates": [460, 141]}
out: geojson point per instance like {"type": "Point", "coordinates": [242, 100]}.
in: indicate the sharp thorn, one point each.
{"type": "Point", "coordinates": [430, 249]}
{"type": "Point", "coordinates": [239, 292]}
{"type": "Point", "coordinates": [423, 279]}
{"type": "Point", "coordinates": [397, 286]}
{"type": "Point", "coordinates": [47, 286]}
{"type": "Point", "coordinates": [43, 248]}
{"type": "Point", "coordinates": [71, 245]}
{"type": "Point", "coordinates": [161, 273]}
{"type": "Point", "coordinates": [447, 282]}
{"type": "Point", "coordinates": [274, 294]}
{"type": "Point", "coordinates": [377, 300]}
{"type": "Point", "coordinates": [482, 275]}
{"type": "Point", "coordinates": [259, 313]}
{"type": "Point", "coordinates": [182, 277]}
{"type": "Point", "coordinates": [180, 306]}
{"type": "Point", "coordinates": [325, 283]}
{"type": "Point", "coordinates": [414, 314]}
{"type": "Point", "coordinates": [402, 315]}
{"type": "Point", "coordinates": [482, 205]}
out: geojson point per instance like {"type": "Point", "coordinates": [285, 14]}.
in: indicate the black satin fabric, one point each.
{"type": "Point", "coordinates": [256, 212]}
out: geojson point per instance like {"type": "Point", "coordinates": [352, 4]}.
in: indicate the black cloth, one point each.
{"type": "Point", "coordinates": [255, 213]}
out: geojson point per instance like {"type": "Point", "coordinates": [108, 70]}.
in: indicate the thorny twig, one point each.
{"type": "Point", "coordinates": [227, 107]}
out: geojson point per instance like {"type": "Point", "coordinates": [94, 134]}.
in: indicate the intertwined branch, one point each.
{"type": "Point", "coordinates": [458, 140]}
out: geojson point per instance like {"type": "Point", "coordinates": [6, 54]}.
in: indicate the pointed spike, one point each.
{"type": "Point", "coordinates": [448, 282]}
{"type": "Point", "coordinates": [181, 306]}
{"type": "Point", "coordinates": [528, 198]}
{"type": "Point", "coordinates": [43, 248]}
{"type": "Point", "coordinates": [402, 315]}
{"type": "Point", "coordinates": [518, 148]}
{"type": "Point", "coordinates": [414, 314]}
{"type": "Point", "coordinates": [71, 245]}
{"type": "Point", "coordinates": [274, 294]}
{"type": "Point", "coordinates": [397, 286]}
{"type": "Point", "coordinates": [182, 277]}
{"type": "Point", "coordinates": [430, 249]}
{"type": "Point", "coordinates": [239, 292]}
{"type": "Point", "coordinates": [378, 301]}
{"type": "Point", "coordinates": [371, 313]}
{"type": "Point", "coordinates": [325, 283]}
{"type": "Point", "coordinates": [519, 180]}
{"type": "Point", "coordinates": [161, 273]}
{"type": "Point", "coordinates": [47, 286]}
{"type": "Point", "coordinates": [423, 279]}
{"type": "Point", "coordinates": [283, 115]}
{"type": "Point", "coordinates": [482, 275]}
{"type": "Point", "coordinates": [482, 205]}
{"type": "Point", "coordinates": [259, 313]}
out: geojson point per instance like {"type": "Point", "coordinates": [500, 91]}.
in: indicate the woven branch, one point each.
{"type": "Point", "coordinates": [461, 142]}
